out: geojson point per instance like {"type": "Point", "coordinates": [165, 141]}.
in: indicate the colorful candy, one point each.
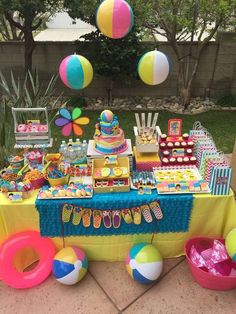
{"type": "Point", "coordinates": [33, 175]}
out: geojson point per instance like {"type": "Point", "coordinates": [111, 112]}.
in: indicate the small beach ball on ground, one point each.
{"type": "Point", "coordinates": [107, 116]}
{"type": "Point", "coordinates": [230, 244]}
{"type": "Point", "coordinates": [114, 18]}
{"type": "Point", "coordinates": [76, 72]}
{"type": "Point", "coordinates": [144, 263]}
{"type": "Point", "coordinates": [70, 265]}
{"type": "Point", "coordinates": [153, 67]}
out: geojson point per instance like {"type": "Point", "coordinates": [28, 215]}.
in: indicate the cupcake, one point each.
{"type": "Point", "coordinates": [163, 137]}
{"type": "Point", "coordinates": [177, 144]}
{"type": "Point", "coordinates": [190, 144]}
{"type": "Point", "coordinates": [170, 145]}
{"type": "Point", "coordinates": [179, 160]}
{"type": "Point", "coordinates": [163, 145]}
{"type": "Point", "coordinates": [189, 151]}
{"type": "Point", "coordinates": [183, 144]}
{"type": "Point", "coordinates": [193, 160]}
{"type": "Point", "coordinates": [165, 161]}
{"type": "Point", "coordinates": [185, 136]}
{"type": "Point", "coordinates": [166, 153]}
{"type": "Point", "coordinates": [172, 161]}
{"type": "Point", "coordinates": [186, 160]}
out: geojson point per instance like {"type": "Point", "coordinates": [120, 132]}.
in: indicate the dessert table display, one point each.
{"type": "Point", "coordinates": [104, 205]}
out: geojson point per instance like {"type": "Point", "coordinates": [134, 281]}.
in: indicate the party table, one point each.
{"type": "Point", "coordinates": [209, 215]}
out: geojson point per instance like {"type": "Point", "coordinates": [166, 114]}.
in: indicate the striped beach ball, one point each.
{"type": "Point", "coordinates": [70, 265]}
{"type": "Point", "coordinates": [107, 116]}
{"type": "Point", "coordinates": [144, 263]}
{"type": "Point", "coordinates": [114, 18]}
{"type": "Point", "coordinates": [76, 71]}
{"type": "Point", "coordinates": [153, 67]}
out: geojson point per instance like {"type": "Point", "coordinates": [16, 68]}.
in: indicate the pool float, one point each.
{"type": "Point", "coordinates": [8, 250]}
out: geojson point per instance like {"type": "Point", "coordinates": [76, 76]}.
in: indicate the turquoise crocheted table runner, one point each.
{"type": "Point", "coordinates": [176, 214]}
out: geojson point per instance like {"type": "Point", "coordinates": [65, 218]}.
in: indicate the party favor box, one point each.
{"type": "Point", "coordinates": [220, 180]}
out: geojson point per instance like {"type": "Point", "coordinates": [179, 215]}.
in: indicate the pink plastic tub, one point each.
{"type": "Point", "coordinates": [202, 277]}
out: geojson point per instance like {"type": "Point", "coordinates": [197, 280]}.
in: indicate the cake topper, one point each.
{"type": "Point", "coordinates": [70, 122]}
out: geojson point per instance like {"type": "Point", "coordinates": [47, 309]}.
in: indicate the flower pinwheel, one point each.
{"type": "Point", "coordinates": [70, 122]}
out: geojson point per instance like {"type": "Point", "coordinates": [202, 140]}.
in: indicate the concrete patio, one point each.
{"type": "Point", "coordinates": [108, 289]}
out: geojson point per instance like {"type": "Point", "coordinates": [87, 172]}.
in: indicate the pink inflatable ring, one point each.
{"type": "Point", "coordinates": [27, 239]}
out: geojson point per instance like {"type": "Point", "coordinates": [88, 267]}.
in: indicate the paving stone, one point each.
{"type": "Point", "coordinates": [54, 298]}
{"type": "Point", "coordinates": [117, 283]}
{"type": "Point", "coordinates": [178, 293]}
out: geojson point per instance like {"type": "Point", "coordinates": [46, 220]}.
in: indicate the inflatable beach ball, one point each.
{"type": "Point", "coordinates": [107, 116]}
{"type": "Point", "coordinates": [114, 18]}
{"type": "Point", "coordinates": [70, 265]}
{"type": "Point", "coordinates": [144, 263]}
{"type": "Point", "coordinates": [153, 67]}
{"type": "Point", "coordinates": [76, 72]}
{"type": "Point", "coordinates": [230, 244]}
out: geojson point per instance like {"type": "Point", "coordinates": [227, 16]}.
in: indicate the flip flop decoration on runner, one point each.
{"type": "Point", "coordinates": [70, 122]}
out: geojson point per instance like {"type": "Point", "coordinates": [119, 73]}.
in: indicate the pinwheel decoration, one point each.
{"type": "Point", "coordinates": [69, 122]}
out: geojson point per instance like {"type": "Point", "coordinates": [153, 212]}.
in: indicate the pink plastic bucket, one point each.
{"type": "Point", "coordinates": [202, 277]}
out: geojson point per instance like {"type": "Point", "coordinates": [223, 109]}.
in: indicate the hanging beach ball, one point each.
{"type": "Point", "coordinates": [70, 265]}
{"type": "Point", "coordinates": [153, 67]}
{"type": "Point", "coordinates": [76, 71]}
{"type": "Point", "coordinates": [114, 18]}
{"type": "Point", "coordinates": [144, 263]}
{"type": "Point", "coordinates": [107, 116]}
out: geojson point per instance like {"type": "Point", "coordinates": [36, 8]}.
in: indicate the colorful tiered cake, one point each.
{"type": "Point", "coordinates": [109, 137]}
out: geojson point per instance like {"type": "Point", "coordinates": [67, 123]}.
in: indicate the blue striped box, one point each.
{"type": "Point", "coordinates": [220, 180]}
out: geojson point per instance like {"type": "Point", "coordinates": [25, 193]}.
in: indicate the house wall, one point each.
{"type": "Point", "coordinates": [216, 75]}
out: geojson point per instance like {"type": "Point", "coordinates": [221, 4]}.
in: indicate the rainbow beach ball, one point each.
{"type": "Point", "coordinates": [107, 116]}
{"type": "Point", "coordinates": [144, 263]}
{"type": "Point", "coordinates": [70, 265]}
{"type": "Point", "coordinates": [76, 71]}
{"type": "Point", "coordinates": [114, 18]}
{"type": "Point", "coordinates": [153, 67]}
{"type": "Point", "coordinates": [230, 244]}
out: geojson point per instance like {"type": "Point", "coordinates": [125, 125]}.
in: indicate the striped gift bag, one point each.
{"type": "Point", "coordinates": [205, 156]}
{"type": "Point", "coordinates": [220, 180]}
{"type": "Point", "coordinates": [213, 162]}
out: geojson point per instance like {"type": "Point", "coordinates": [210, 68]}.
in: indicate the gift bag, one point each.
{"type": "Point", "coordinates": [205, 156]}
{"type": "Point", "coordinates": [213, 162]}
{"type": "Point", "coordinates": [220, 180]}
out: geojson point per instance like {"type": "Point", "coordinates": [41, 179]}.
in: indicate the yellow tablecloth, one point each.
{"type": "Point", "coordinates": [211, 216]}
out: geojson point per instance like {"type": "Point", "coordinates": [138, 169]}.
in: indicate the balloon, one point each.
{"type": "Point", "coordinates": [76, 72]}
{"type": "Point", "coordinates": [153, 67]}
{"type": "Point", "coordinates": [114, 18]}
{"type": "Point", "coordinates": [70, 265]}
{"type": "Point", "coordinates": [144, 263]}
{"type": "Point", "coordinates": [20, 280]}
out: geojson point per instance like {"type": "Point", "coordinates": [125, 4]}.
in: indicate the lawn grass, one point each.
{"type": "Point", "coordinates": [221, 125]}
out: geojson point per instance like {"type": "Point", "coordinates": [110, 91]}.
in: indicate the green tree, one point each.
{"type": "Point", "coordinates": [194, 20]}
{"type": "Point", "coordinates": [30, 16]}
{"type": "Point", "coordinates": [8, 31]}
{"type": "Point", "coordinates": [114, 59]}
